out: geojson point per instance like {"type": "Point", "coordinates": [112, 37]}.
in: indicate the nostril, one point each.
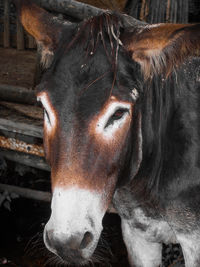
{"type": "Point", "coordinates": [87, 239]}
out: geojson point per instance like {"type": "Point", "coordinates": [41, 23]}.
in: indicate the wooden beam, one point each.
{"type": "Point", "coordinates": [26, 192]}
{"type": "Point", "coordinates": [72, 8]}
{"type": "Point", "coordinates": [17, 94]}
{"type": "Point", "coordinates": [21, 128]}
{"type": "Point", "coordinates": [34, 112]}
{"type": "Point", "coordinates": [21, 146]}
{"type": "Point", "coordinates": [26, 122]}
{"type": "Point", "coordinates": [28, 160]}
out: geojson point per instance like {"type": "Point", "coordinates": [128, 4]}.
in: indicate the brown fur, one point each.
{"type": "Point", "coordinates": [42, 26]}
{"type": "Point", "coordinates": [49, 136]}
{"type": "Point", "coordinates": [67, 167]}
{"type": "Point", "coordinates": [159, 48]}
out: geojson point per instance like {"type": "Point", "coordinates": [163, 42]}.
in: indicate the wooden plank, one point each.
{"type": "Point", "coordinates": [132, 8]}
{"type": "Point", "coordinates": [34, 112]}
{"type": "Point", "coordinates": [21, 146]}
{"type": "Point", "coordinates": [31, 42]}
{"type": "Point", "coordinates": [168, 11]}
{"type": "Point", "coordinates": [163, 11]}
{"type": "Point", "coordinates": [6, 23]}
{"type": "Point", "coordinates": [12, 121]}
{"type": "Point", "coordinates": [172, 11]}
{"type": "Point", "coordinates": [21, 128]}
{"type": "Point", "coordinates": [20, 35]}
{"type": "Point", "coordinates": [17, 94]}
{"type": "Point", "coordinates": [28, 160]}
{"type": "Point", "coordinates": [38, 70]}
{"type": "Point", "coordinates": [186, 12]}
{"type": "Point", "coordinates": [142, 11]}
{"type": "Point", "coordinates": [175, 11]}
{"type": "Point", "coordinates": [26, 192]}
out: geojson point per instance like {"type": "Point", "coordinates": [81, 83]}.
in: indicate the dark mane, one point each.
{"type": "Point", "coordinates": [106, 29]}
{"type": "Point", "coordinates": [171, 103]}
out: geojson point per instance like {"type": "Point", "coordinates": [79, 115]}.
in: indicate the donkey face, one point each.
{"type": "Point", "coordinates": [86, 137]}
{"type": "Point", "coordinates": [88, 110]}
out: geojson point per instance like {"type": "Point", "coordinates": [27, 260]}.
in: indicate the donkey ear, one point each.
{"type": "Point", "coordinates": [42, 26]}
{"type": "Point", "coordinates": [160, 48]}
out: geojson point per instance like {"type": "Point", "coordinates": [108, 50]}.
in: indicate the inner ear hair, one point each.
{"type": "Point", "coordinates": [161, 48]}
{"type": "Point", "coordinates": [43, 26]}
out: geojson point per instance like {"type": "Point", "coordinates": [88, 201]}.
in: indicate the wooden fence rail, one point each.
{"type": "Point", "coordinates": [152, 11]}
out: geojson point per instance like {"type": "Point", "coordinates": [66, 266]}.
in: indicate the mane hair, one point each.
{"type": "Point", "coordinates": [101, 30]}
{"type": "Point", "coordinates": [105, 27]}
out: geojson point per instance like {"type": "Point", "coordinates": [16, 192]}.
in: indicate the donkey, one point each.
{"type": "Point", "coordinates": [121, 127]}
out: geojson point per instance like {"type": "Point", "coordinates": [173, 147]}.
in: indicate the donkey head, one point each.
{"type": "Point", "coordinates": [91, 93]}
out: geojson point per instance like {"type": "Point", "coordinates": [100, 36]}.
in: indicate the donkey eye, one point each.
{"type": "Point", "coordinates": [119, 113]}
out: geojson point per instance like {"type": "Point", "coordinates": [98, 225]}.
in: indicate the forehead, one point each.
{"type": "Point", "coordinates": [82, 81]}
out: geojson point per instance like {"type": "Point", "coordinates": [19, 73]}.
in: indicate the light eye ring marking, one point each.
{"type": "Point", "coordinates": [107, 127]}
{"type": "Point", "coordinates": [49, 111]}
{"type": "Point", "coordinates": [46, 117]}
{"type": "Point", "coordinates": [117, 115]}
